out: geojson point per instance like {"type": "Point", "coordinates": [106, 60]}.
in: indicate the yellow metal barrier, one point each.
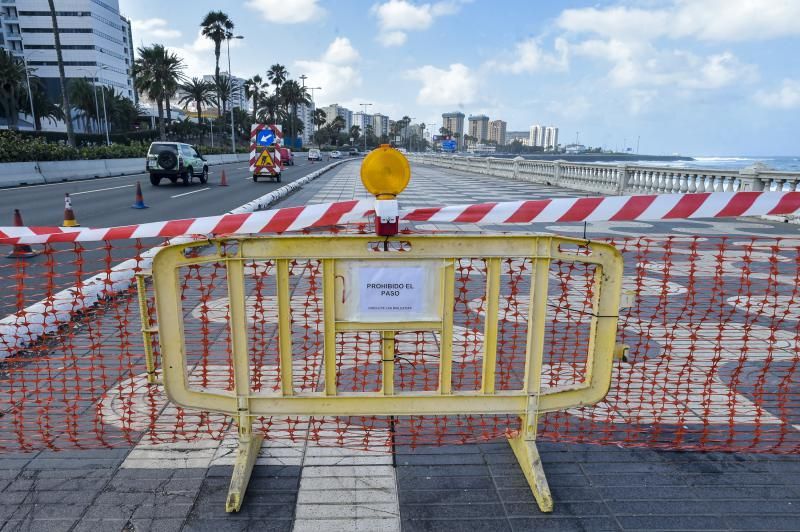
{"type": "Point", "coordinates": [428, 263]}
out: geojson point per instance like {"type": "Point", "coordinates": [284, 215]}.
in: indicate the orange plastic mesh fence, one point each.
{"type": "Point", "coordinates": [711, 326]}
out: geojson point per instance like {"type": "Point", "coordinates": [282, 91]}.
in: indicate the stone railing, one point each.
{"type": "Point", "coordinates": [619, 178]}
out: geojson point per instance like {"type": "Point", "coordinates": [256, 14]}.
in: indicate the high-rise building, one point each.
{"type": "Point", "coordinates": [380, 124]}
{"type": "Point", "coordinates": [497, 132]}
{"type": "Point", "coordinates": [305, 114]}
{"type": "Point", "coordinates": [454, 122]}
{"type": "Point", "coordinates": [95, 41]}
{"type": "Point", "coordinates": [334, 110]}
{"type": "Point", "coordinates": [550, 138]}
{"type": "Point", "coordinates": [536, 137]}
{"type": "Point", "coordinates": [362, 120]}
{"type": "Point", "coordinates": [479, 127]}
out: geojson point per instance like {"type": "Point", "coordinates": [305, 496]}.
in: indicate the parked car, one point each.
{"type": "Point", "coordinates": [287, 157]}
{"type": "Point", "coordinates": [314, 155]}
{"type": "Point", "coordinates": [353, 151]}
{"type": "Point", "coordinates": [175, 160]}
{"type": "Point", "coordinates": [335, 154]}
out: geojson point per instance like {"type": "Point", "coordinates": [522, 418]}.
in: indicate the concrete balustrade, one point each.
{"type": "Point", "coordinates": [619, 178]}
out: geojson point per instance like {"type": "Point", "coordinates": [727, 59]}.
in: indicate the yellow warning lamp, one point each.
{"type": "Point", "coordinates": [385, 172]}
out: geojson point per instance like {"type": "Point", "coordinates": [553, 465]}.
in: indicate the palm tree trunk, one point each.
{"type": "Point", "coordinates": [169, 110]}
{"type": "Point", "coordinates": [200, 119]}
{"type": "Point", "coordinates": [161, 129]}
{"type": "Point", "coordinates": [61, 76]}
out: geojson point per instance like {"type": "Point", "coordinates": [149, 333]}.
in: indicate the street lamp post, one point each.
{"type": "Point", "coordinates": [28, 80]}
{"type": "Point", "coordinates": [230, 94]}
{"type": "Point", "coordinates": [364, 106]}
{"type": "Point", "coordinates": [103, 94]}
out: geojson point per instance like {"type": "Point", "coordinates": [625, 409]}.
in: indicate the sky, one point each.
{"type": "Point", "coordinates": [694, 77]}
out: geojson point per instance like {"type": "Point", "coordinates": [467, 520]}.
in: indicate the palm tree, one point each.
{"type": "Point", "coordinates": [355, 132]}
{"type": "Point", "coordinates": [84, 97]}
{"type": "Point", "coordinates": [224, 88]}
{"type": "Point", "coordinates": [276, 75]}
{"type": "Point", "coordinates": [293, 95]}
{"type": "Point", "coordinates": [319, 119]}
{"type": "Point", "coordinates": [121, 111]}
{"type": "Point", "coordinates": [218, 27]}
{"type": "Point", "coordinates": [12, 81]}
{"type": "Point", "coordinates": [198, 92]}
{"type": "Point", "coordinates": [155, 72]}
{"type": "Point", "coordinates": [270, 110]}
{"type": "Point", "coordinates": [65, 105]}
{"type": "Point", "coordinates": [252, 90]}
{"type": "Point", "coordinates": [43, 106]}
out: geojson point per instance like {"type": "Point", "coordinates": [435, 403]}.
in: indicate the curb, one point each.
{"type": "Point", "coordinates": [47, 315]}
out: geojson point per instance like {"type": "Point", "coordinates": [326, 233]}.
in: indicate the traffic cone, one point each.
{"type": "Point", "coordinates": [139, 203]}
{"type": "Point", "coordinates": [223, 181]}
{"type": "Point", "coordinates": [21, 251]}
{"type": "Point", "coordinates": [69, 215]}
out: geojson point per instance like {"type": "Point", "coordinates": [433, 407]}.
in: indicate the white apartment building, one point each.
{"type": "Point", "coordinates": [362, 120]}
{"type": "Point", "coordinates": [305, 113]}
{"type": "Point", "coordinates": [380, 124]}
{"type": "Point", "coordinates": [550, 138]}
{"type": "Point", "coordinates": [536, 137]}
{"type": "Point", "coordinates": [95, 41]}
{"type": "Point", "coordinates": [334, 110]}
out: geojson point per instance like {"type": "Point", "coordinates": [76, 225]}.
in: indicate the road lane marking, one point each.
{"type": "Point", "coordinates": [99, 190]}
{"type": "Point", "coordinates": [192, 192]}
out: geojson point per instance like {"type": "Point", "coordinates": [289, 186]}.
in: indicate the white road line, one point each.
{"type": "Point", "coordinates": [99, 190]}
{"type": "Point", "coordinates": [72, 182]}
{"type": "Point", "coordinates": [192, 192]}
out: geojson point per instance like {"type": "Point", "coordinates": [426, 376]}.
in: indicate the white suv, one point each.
{"type": "Point", "coordinates": [175, 160]}
{"type": "Point", "coordinates": [314, 155]}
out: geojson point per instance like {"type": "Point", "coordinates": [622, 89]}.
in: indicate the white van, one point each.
{"type": "Point", "coordinates": [314, 155]}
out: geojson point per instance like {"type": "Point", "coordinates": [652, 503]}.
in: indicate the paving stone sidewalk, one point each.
{"type": "Point", "coordinates": [469, 487]}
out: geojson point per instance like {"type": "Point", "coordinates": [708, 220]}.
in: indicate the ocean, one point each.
{"type": "Point", "coordinates": [788, 163]}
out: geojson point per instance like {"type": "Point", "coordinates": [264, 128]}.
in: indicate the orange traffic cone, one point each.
{"type": "Point", "coordinates": [139, 203]}
{"type": "Point", "coordinates": [21, 251]}
{"type": "Point", "coordinates": [69, 215]}
{"type": "Point", "coordinates": [223, 181]}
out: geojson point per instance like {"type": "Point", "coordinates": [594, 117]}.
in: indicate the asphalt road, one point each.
{"type": "Point", "coordinates": [107, 201]}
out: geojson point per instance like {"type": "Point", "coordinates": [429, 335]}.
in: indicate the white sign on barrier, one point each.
{"type": "Point", "coordinates": [379, 292]}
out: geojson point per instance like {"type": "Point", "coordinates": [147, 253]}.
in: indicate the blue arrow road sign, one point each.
{"type": "Point", "coordinates": [449, 145]}
{"type": "Point", "coordinates": [265, 138]}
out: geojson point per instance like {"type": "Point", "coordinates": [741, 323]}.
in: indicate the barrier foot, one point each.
{"type": "Point", "coordinates": [528, 457]}
{"type": "Point", "coordinates": [245, 460]}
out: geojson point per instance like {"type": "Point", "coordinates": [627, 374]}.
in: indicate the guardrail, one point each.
{"type": "Point", "coordinates": [38, 173]}
{"type": "Point", "coordinates": [620, 178]}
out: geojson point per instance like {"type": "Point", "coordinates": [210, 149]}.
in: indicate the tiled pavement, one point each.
{"type": "Point", "coordinates": [470, 487]}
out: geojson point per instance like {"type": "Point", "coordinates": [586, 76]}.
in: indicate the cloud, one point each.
{"type": "Point", "coordinates": [335, 71]}
{"type": "Point", "coordinates": [287, 12]}
{"type": "Point", "coordinates": [153, 28]}
{"type": "Point", "coordinates": [708, 20]}
{"type": "Point", "coordinates": [636, 64]}
{"type": "Point", "coordinates": [392, 38]}
{"type": "Point", "coordinates": [396, 17]}
{"type": "Point", "coordinates": [531, 58]}
{"type": "Point", "coordinates": [340, 51]}
{"type": "Point", "coordinates": [787, 96]}
{"type": "Point", "coordinates": [454, 86]}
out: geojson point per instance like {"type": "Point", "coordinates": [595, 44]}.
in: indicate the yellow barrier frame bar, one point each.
{"type": "Point", "coordinates": [147, 331]}
{"type": "Point", "coordinates": [528, 402]}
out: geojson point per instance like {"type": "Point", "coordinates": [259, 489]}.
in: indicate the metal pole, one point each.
{"type": "Point", "coordinates": [105, 116]}
{"type": "Point", "coordinates": [96, 107]}
{"type": "Point", "coordinates": [364, 107]}
{"type": "Point", "coordinates": [230, 93]}
{"type": "Point", "coordinates": [28, 80]}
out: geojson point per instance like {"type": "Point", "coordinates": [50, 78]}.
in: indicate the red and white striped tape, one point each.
{"type": "Point", "coordinates": [559, 210]}
{"type": "Point", "coordinates": [615, 208]}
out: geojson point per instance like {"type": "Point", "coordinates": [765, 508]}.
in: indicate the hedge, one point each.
{"type": "Point", "coordinates": [19, 147]}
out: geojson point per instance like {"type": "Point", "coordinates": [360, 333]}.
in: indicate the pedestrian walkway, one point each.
{"type": "Point", "coordinates": [302, 485]}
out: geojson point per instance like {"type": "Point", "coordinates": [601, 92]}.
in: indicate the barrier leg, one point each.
{"type": "Point", "coordinates": [249, 445]}
{"type": "Point", "coordinates": [528, 457]}
{"type": "Point", "coordinates": [147, 330]}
